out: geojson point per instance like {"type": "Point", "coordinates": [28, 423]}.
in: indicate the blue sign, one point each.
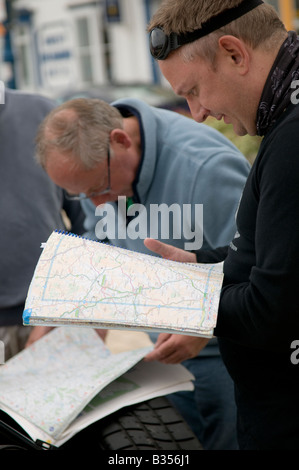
{"type": "Point", "coordinates": [113, 13]}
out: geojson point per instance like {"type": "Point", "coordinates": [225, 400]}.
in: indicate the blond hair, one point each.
{"type": "Point", "coordinates": [259, 27]}
{"type": "Point", "coordinates": [79, 128]}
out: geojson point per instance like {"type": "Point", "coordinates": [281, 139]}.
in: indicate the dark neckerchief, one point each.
{"type": "Point", "coordinates": [277, 92]}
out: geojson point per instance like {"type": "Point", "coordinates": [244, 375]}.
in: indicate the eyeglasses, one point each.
{"type": "Point", "coordinates": [81, 197]}
{"type": "Point", "coordinates": [162, 44]}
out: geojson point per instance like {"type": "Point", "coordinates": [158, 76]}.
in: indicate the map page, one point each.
{"type": "Point", "coordinates": [89, 283]}
{"type": "Point", "coordinates": [49, 383]}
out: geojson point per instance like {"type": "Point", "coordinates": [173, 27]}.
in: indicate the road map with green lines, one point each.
{"type": "Point", "coordinates": [69, 379]}
{"type": "Point", "coordinates": [84, 282]}
{"type": "Point", "coordinates": [51, 382]}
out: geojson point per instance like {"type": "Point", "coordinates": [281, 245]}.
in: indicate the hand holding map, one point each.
{"type": "Point", "coordinates": [87, 283]}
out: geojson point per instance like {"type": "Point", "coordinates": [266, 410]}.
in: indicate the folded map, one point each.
{"type": "Point", "coordinates": [69, 379]}
{"type": "Point", "coordinates": [88, 283]}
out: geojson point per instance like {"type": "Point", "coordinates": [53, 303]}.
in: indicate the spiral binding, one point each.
{"type": "Point", "coordinates": [75, 235]}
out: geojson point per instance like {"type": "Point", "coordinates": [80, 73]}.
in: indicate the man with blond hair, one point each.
{"type": "Point", "coordinates": [235, 60]}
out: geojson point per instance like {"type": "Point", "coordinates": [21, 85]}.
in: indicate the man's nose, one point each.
{"type": "Point", "coordinates": [199, 113]}
{"type": "Point", "coordinates": [98, 200]}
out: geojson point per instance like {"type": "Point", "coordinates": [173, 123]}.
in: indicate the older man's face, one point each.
{"type": "Point", "coordinates": [78, 180]}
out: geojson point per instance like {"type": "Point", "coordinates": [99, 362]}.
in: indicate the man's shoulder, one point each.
{"type": "Point", "coordinates": [23, 100]}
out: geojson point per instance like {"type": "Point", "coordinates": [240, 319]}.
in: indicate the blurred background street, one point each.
{"type": "Point", "coordinates": [68, 48]}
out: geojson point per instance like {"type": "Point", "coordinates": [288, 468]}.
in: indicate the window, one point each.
{"type": "Point", "coordinates": [84, 50]}
{"type": "Point", "coordinates": [24, 57]}
{"type": "Point", "coordinates": [89, 48]}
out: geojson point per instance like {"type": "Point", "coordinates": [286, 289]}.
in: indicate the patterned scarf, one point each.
{"type": "Point", "coordinates": [277, 92]}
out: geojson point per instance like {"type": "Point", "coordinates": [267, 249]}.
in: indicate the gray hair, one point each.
{"type": "Point", "coordinates": [79, 128]}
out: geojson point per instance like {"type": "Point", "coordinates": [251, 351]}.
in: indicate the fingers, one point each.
{"type": "Point", "coordinates": [37, 333]}
{"type": "Point", "coordinates": [102, 333]}
{"type": "Point", "coordinates": [157, 353]}
{"type": "Point", "coordinates": [168, 350]}
{"type": "Point", "coordinates": [162, 249]}
{"type": "Point", "coordinates": [174, 349]}
{"type": "Point", "coordinates": [166, 357]}
{"type": "Point", "coordinates": [169, 252]}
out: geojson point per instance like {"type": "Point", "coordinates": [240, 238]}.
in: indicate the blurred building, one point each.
{"type": "Point", "coordinates": [50, 46]}
{"type": "Point", "coordinates": [55, 45]}
{"type": "Point", "coordinates": [288, 11]}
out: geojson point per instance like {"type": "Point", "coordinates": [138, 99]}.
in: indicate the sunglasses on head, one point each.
{"type": "Point", "coordinates": [162, 44]}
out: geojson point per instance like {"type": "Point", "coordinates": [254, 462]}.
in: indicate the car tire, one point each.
{"type": "Point", "coordinates": [151, 425]}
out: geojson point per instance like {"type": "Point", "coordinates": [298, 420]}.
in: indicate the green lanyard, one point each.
{"type": "Point", "coordinates": [129, 202]}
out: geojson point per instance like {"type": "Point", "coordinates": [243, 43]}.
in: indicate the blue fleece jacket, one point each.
{"type": "Point", "coordinates": [183, 162]}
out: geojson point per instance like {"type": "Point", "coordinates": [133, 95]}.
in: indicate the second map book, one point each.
{"type": "Point", "coordinates": [88, 283]}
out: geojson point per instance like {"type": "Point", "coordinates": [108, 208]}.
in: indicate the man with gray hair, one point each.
{"type": "Point", "coordinates": [234, 60]}
{"type": "Point", "coordinates": [144, 157]}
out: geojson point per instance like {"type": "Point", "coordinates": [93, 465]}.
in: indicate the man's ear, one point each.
{"type": "Point", "coordinates": [120, 137]}
{"type": "Point", "coordinates": [236, 51]}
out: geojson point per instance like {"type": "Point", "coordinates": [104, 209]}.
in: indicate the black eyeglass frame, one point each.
{"type": "Point", "coordinates": [81, 197]}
